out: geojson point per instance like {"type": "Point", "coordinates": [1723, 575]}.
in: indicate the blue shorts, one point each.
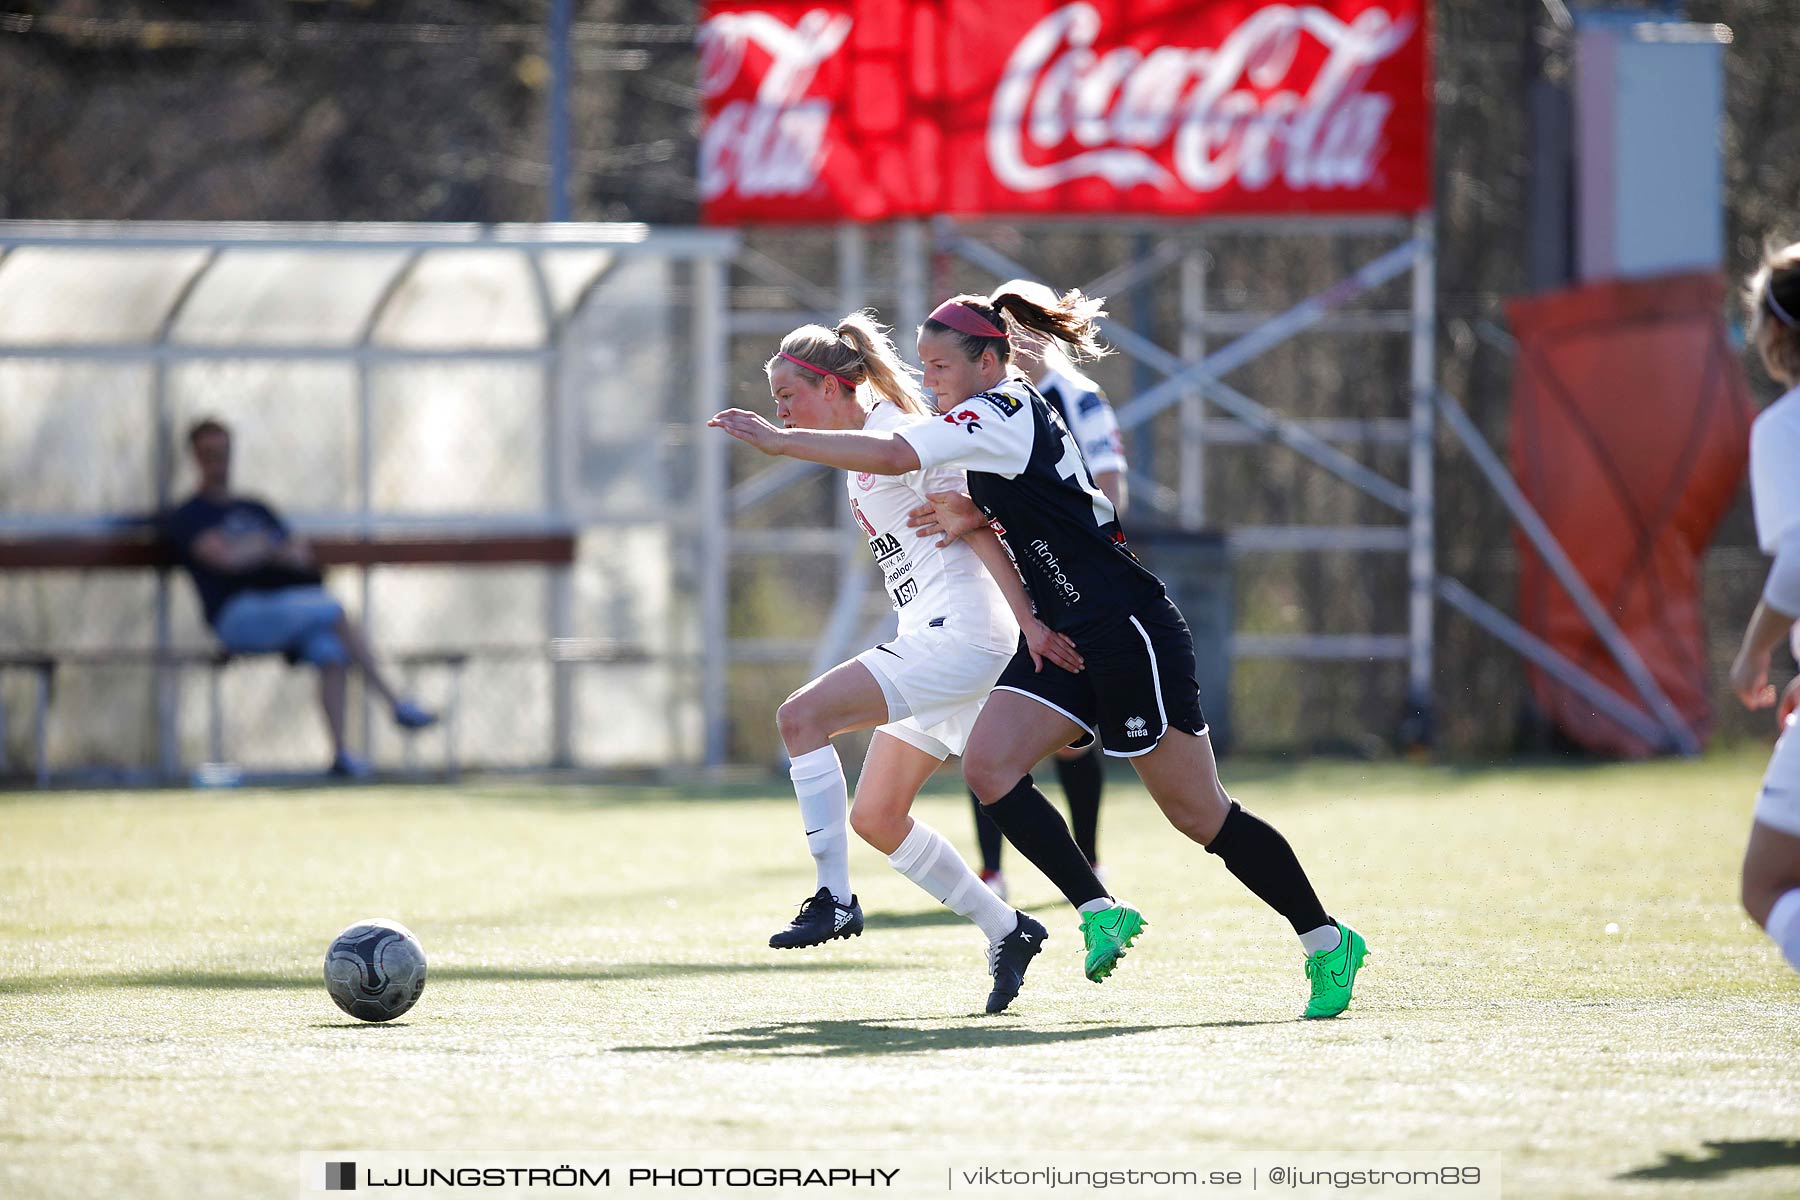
{"type": "Point", "coordinates": [299, 622]}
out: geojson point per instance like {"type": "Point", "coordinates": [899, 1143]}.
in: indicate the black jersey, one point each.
{"type": "Point", "coordinates": [1027, 475]}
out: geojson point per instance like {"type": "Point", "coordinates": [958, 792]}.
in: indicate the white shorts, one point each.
{"type": "Point", "coordinates": [1778, 805]}
{"type": "Point", "coordinates": [935, 684]}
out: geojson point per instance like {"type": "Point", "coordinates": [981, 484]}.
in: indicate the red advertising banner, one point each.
{"type": "Point", "coordinates": [874, 109]}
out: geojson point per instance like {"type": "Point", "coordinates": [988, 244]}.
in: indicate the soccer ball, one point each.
{"type": "Point", "coordinates": [375, 970]}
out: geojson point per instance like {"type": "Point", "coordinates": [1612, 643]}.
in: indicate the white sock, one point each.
{"type": "Point", "coordinates": [930, 861]}
{"type": "Point", "coordinates": [1324, 938]}
{"type": "Point", "coordinates": [1098, 905]}
{"type": "Point", "coordinates": [1784, 926]}
{"type": "Point", "coordinates": [824, 807]}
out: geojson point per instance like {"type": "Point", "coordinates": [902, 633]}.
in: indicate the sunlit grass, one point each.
{"type": "Point", "coordinates": [599, 981]}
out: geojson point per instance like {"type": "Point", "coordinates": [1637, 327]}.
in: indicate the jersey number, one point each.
{"type": "Point", "coordinates": [1071, 467]}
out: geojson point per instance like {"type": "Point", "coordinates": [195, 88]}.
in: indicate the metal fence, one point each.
{"type": "Point", "coordinates": [383, 380]}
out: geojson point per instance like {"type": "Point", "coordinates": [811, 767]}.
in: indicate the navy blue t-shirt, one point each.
{"type": "Point", "coordinates": [183, 527]}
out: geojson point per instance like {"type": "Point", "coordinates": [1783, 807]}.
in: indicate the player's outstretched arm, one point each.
{"type": "Point", "coordinates": [849, 450]}
{"type": "Point", "coordinates": [1040, 640]}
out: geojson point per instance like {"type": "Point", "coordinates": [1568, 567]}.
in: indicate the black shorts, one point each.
{"type": "Point", "coordinates": [1138, 682]}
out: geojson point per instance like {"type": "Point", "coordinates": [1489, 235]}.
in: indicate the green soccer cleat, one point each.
{"type": "Point", "coordinates": [1333, 972]}
{"type": "Point", "coordinates": [1108, 933]}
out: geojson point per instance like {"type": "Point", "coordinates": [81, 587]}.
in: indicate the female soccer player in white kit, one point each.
{"type": "Point", "coordinates": [1771, 885]}
{"type": "Point", "coordinates": [925, 688]}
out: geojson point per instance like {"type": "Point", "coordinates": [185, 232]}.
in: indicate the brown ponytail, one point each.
{"type": "Point", "coordinates": [857, 352]}
{"type": "Point", "coordinates": [1072, 319]}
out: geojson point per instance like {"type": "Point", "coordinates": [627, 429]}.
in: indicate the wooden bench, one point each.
{"type": "Point", "coordinates": [134, 547]}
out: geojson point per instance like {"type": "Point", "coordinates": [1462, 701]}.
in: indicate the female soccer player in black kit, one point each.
{"type": "Point", "coordinates": [1137, 692]}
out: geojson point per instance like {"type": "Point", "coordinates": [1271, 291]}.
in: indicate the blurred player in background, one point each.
{"type": "Point", "coordinates": [1771, 887]}
{"type": "Point", "coordinates": [262, 591]}
{"type": "Point", "coordinates": [1083, 408]}
{"type": "Point", "coordinates": [925, 688]}
{"type": "Point", "coordinates": [1136, 692]}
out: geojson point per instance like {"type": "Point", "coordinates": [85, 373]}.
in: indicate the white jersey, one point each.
{"type": "Point", "coordinates": [927, 584]}
{"type": "Point", "coordinates": [1775, 477]}
{"type": "Point", "coordinates": [1091, 420]}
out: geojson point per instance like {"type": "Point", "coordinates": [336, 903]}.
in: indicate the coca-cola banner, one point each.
{"type": "Point", "coordinates": [874, 109]}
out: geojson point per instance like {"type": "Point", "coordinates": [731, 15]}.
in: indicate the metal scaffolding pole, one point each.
{"type": "Point", "coordinates": [1677, 735]}
{"type": "Point", "coordinates": [1421, 560]}
{"type": "Point", "coordinates": [713, 452]}
{"type": "Point", "coordinates": [853, 569]}
{"type": "Point", "coordinates": [912, 303]}
{"type": "Point", "coordinates": [1193, 401]}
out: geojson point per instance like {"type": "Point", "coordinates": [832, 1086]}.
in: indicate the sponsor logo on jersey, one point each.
{"type": "Point", "coordinates": [1005, 405]}
{"type": "Point", "coordinates": [1053, 571]}
{"type": "Point", "coordinates": [906, 593]}
{"type": "Point", "coordinates": [968, 418]}
{"type": "Point", "coordinates": [1136, 727]}
{"type": "Point", "coordinates": [865, 480]}
{"type": "Point", "coordinates": [890, 556]}
{"type": "Point", "coordinates": [1090, 403]}
{"type": "Point", "coordinates": [885, 546]}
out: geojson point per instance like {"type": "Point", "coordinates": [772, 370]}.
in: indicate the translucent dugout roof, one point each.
{"type": "Point", "coordinates": [83, 288]}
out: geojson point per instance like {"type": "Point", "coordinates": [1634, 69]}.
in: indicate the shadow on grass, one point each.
{"type": "Point", "coordinates": [273, 981]}
{"type": "Point", "coordinates": [849, 1038]}
{"type": "Point", "coordinates": [925, 918]}
{"type": "Point", "coordinates": [362, 1025]}
{"type": "Point", "coordinates": [1726, 1158]}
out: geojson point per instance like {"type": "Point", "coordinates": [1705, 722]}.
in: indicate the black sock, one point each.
{"type": "Point", "coordinates": [1034, 826]}
{"type": "Point", "coordinates": [1261, 858]}
{"type": "Point", "coordinates": [1082, 779]}
{"type": "Point", "coordinates": [988, 834]}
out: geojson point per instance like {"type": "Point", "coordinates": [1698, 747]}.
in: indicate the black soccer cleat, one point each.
{"type": "Point", "coordinates": [821, 919]}
{"type": "Point", "coordinates": [1008, 960]}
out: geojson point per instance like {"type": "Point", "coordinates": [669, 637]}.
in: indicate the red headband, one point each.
{"type": "Point", "coordinates": [816, 369]}
{"type": "Point", "coordinates": [964, 319]}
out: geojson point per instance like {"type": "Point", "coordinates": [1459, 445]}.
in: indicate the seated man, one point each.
{"type": "Point", "coordinates": [263, 592]}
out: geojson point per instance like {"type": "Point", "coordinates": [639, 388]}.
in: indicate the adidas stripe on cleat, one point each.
{"type": "Point", "coordinates": [821, 920]}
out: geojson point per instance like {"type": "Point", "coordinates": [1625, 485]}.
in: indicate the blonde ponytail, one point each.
{"type": "Point", "coordinates": [857, 352]}
{"type": "Point", "coordinates": [884, 370]}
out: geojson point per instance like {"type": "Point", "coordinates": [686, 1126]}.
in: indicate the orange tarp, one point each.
{"type": "Point", "coordinates": [1630, 431]}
